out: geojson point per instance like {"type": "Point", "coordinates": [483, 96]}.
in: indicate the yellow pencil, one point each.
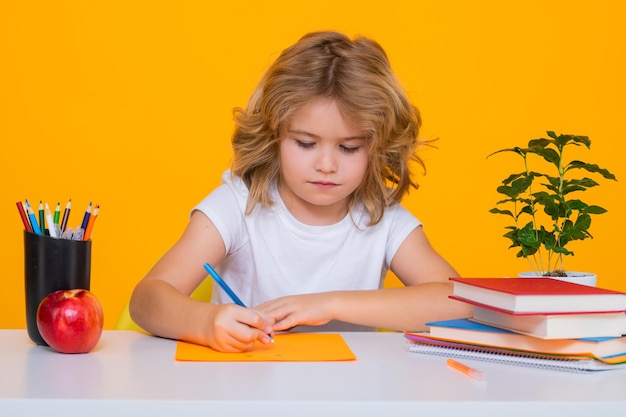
{"type": "Point", "coordinates": [90, 222]}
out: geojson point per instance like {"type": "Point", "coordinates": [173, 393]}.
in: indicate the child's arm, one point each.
{"type": "Point", "coordinates": [161, 304]}
{"type": "Point", "coordinates": [425, 297]}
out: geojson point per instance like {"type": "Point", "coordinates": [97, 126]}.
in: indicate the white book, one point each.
{"type": "Point", "coordinates": [555, 326]}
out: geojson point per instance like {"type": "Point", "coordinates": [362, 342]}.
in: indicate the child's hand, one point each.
{"type": "Point", "coordinates": [236, 329]}
{"type": "Point", "coordinates": [305, 309]}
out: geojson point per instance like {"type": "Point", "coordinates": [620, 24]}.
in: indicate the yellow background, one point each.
{"type": "Point", "coordinates": [128, 104]}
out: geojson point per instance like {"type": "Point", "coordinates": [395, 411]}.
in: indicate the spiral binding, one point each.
{"type": "Point", "coordinates": [567, 364]}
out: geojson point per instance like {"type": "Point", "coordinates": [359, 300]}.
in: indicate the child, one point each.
{"type": "Point", "coordinates": [307, 221]}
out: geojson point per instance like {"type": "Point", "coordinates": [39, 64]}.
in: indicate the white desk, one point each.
{"type": "Point", "coordinates": [131, 374]}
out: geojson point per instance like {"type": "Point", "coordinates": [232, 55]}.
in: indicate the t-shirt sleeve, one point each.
{"type": "Point", "coordinates": [402, 223]}
{"type": "Point", "coordinates": [224, 210]}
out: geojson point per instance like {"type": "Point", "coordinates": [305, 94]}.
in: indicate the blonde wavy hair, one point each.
{"type": "Point", "coordinates": [358, 76]}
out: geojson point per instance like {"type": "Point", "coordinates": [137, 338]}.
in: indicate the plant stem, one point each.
{"type": "Point", "coordinates": [538, 262]}
{"type": "Point", "coordinates": [559, 230]}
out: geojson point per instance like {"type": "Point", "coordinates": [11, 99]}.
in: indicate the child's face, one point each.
{"type": "Point", "coordinates": [323, 159]}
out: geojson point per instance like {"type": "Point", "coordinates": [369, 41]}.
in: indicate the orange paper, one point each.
{"type": "Point", "coordinates": [289, 347]}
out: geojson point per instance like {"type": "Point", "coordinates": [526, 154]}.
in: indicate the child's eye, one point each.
{"type": "Point", "coordinates": [306, 145]}
{"type": "Point", "coordinates": [349, 149]}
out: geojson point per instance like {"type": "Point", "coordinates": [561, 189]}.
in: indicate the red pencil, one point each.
{"type": "Point", "coordinates": [20, 208]}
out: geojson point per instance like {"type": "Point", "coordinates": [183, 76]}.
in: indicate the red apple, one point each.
{"type": "Point", "coordinates": [70, 321]}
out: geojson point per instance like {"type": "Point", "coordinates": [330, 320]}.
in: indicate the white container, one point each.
{"type": "Point", "coordinates": [584, 278]}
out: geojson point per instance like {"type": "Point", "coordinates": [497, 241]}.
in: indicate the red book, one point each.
{"type": "Point", "coordinates": [537, 295]}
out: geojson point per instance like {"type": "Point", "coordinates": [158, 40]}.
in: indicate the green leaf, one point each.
{"type": "Point", "coordinates": [583, 222]}
{"type": "Point", "coordinates": [567, 190]}
{"type": "Point", "coordinates": [579, 140]}
{"type": "Point", "coordinates": [564, 140]}
{"type": "Point", "coordinates": [506, 200]}
{"type": "Point", "coordinates": [552, 134]}
{"type": "Point", "coordinates": [526, 251]}
{"type": "Point", "coordinates": [512, 235]}
{"type": "Point", "coordinates": [549, 155]}
{"type": "Point", "coordinates": [583, 182]}
{"type": "Point", "coordinates": [539, 143]}
{"type": "Point", "coordinates": [550, 206]}
{"type": "Point", "coordinates": [549, 241]}
{"type": "Point", "coordinates": [527, 210]}
{"type": "Point", "coordinates": [542, 197]}
{"type": "Point", "coordinates": [506, 190]}
{"type": "Point", "coordinates": [498, 211]}
{"type": "Point", "coordinates": [575, 205]}
{"type": "Point", "coordinates": [591, 168]}
{"type": "Point", "coordinates": [513, 177]}
{"type": "Point", "coordinates": [529, 237]}
{"type": "Point", "coordinates": [521, 184]}
{"type": "Point", "coordinates": [571, 232]}
{"type": "Point", "coordinates": [517, 150]}
{"type": "Point", "coordinates": [562, 251]}
{"type": "Point", "coordinates": [595, 210]}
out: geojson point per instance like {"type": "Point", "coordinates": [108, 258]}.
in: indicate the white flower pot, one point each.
{"type": "Point", "coordinates": [584, 278]}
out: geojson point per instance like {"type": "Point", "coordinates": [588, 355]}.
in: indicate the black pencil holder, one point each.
{"type": "Point", "coordinates": [49, 265]}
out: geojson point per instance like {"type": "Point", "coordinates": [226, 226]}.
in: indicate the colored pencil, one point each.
{"type": "Point", "coordinates": [49, 223]}
{"type": "Point", "coordinates": [86, 217]}
{"type": "Point", "coordinates": [216, 277]}
{"type": "Point", "coordinates": [92, 220]}
{"type": "Point", "coordinates": [464, 369]}
{"type": "Point", "coordinates": [33, 219]}
{"type": "Point", "coordinates": [66, 215]}
{"type": "Point", "coordinates": [52, 227]}
{"type": "Point", "coordinates": [223, 284]}
{"type": "Point", "coordinates": [42, 216]}
{"type": "Point", "coordinates": [57, 213]}
{"type": "Point", "coordinates": [20, 208]}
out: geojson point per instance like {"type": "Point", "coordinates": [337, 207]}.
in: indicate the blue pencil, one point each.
{"type": "Point", "coordinates": [216, 277]}
{"type": "Point", "coordinates": [86, 217]}
{"type": "Point", "coordinates": [33, 219]}
{"type": "Point", "coordinates": [223, 284]}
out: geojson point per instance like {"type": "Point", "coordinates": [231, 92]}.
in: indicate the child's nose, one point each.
{"type": "Point", "coordinates": [326, 161]}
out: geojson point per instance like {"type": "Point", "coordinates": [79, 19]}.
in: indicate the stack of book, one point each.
{"type": "Point", "coordinates": [532, 321]}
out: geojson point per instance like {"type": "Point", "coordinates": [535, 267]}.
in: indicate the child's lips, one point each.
{"type": "Point", "coordinates": [324, 184]}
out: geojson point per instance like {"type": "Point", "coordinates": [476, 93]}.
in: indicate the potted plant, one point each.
{"type": "Point", "coordinates": [545, 207]}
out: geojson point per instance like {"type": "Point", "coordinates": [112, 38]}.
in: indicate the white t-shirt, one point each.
{"type": "Point", "coordinates": [270, 254]}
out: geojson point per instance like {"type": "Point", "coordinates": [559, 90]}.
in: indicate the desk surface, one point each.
{"type": "Point", "coordinates": [130, 373]}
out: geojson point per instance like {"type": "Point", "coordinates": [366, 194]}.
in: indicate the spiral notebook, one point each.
{"type": "Point", "coordinates": [417, 343]}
